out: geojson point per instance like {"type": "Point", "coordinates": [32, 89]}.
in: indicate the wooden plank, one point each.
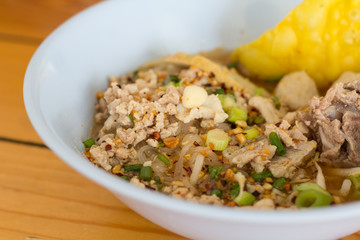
{"type": "Point", "coordinates": [41, 197]}
{"type": "Point", "coordinates": [13, 62]}
{"type": "Point", "coordinates": [35, 19]}
{"type": "Point", "coordinates": [354, 236]}
{"type": "Point", "coordinates": [37, 189]}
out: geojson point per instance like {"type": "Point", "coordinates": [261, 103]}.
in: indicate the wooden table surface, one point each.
{"type": "Point", "coordinates": [40, 196]}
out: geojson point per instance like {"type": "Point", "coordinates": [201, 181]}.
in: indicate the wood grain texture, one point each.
{"type": "Point", "coordinates": [31, 21]}
{"type": "Point", "coordinates": [41, 197]}
{"type": "Point", "coordinates": [13, 62]}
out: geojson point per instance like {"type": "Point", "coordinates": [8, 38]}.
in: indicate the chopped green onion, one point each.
{"type": "Point", "coordinates": [312, 198]}
{"type": "Point", "coordinates": [251, 133]}
{"type": "Point", "coordinates": [209, 91]}
{"type": "Point", "coordinates": [217, 139]}
{"type": "Point", "coordinates": [214, 172]}
{"type": "Point", "coordinates": [220, 91]}
{"type": "Point", "coordinates": [161, 144]}
{"type": "Point", "coordinates": [276, 102]}
{"type": "Point", "coordinates": [227, 101]}
{"type": "Point", "coordinates": [310, 186]}
{"type": "Point", "coordinates": [159, 184]}
{"type": "Point", "coordinates": [312, 195]}
{"type": "Point", "coordinates": [135, 73]}
{"type": "Point", "coordinates": [250, 121]}
{"type": "Point", "coordinates": [275, 140]}
{"type": "Point", "coordinates": [163, 158]}
{"type": "Point", "coordinates": [232, 65]}
{"type": "Point", "coordinates": [258, 177]}
{"type": "Point", "coordinates": [145, 173]}
{"type": "Point", "coordinates": [259, 120]}
{"type": "Point", "coordinates": [132, 118]}
{"type": "Point", "coordinates": [236, 114]}
{"type": "Point", "coordinates": [355, 179]}
{"type": "Point", "coordinates": [171, 78]}
{"type": "Point", "coordinates": [89, 142]}
{"type": "Point", "coordinates": [280, 183]}
{"type": "Point", "coordinates": [245, 199]}
{"type": "Point", "coordinates": [217, 192]}
{"type": "Point", "coordinates": [235, 189]}
{"type": "Point", "coordinates": [132, 168]}
{"type": "Point", "coordinates": [275, 79]}
{"type": "Point", "coordinates": [258, 92]}
{"type": "Point", "coordinates": [232, 95]}
{"type": "Point", "coordinates": [126, 178]}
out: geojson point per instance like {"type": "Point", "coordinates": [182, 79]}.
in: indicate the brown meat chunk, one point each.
{"type": "Point", "coordinates": [334, 120]}
{"type": "Point", "coordinates": [266, 108]}
{"type": "Point", "coordinates": [351, 126]}
{"type": "Point", "coordinates": [286, 166]}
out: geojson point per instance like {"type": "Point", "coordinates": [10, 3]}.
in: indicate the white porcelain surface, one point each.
{"type": "Point", "coordinates": [114, 37]}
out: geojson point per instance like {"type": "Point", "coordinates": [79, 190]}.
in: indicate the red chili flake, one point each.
{"type": "Point", "coordinates": [108, 147]}
{"type": "Point", "coordinates": [207, 186]}
{"type": "Point", "coordinates": [196, 144]}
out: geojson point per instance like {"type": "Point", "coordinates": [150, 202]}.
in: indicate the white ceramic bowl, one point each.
{"type": "Point", "coordinates": [114, 37]}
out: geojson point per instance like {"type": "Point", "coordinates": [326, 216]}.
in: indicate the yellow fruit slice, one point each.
{"type": "Point", "coordinates": [321, 37]}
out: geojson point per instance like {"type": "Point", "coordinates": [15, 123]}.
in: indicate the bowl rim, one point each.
{"type": "Point", "coordinates": [119, 186]}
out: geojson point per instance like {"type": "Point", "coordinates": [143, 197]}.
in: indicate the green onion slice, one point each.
{"type": "Point", "coordinates": [236, 114]}
{"type": "Point", "coordinates": [145, 173]}
{"type": "Point", "coordinates": [132, 168]}
{"type": "Point", "coordinates": [355, 179]}
{"type": "Point", "coordinates": [245, 199]}
{"type": "Point", "coordinates": [220, 91]}
{"type": "Point", "coordinates": [159, 184]}
{"type": "Point", "coordinates": [280, 183]}
{"type": "Point", "coordinates": [217, 139]}
{"type": "Point", "coordinates": [232, 65]}
{"type": "Point", "coordinates": [259, 120]}
{"type": "Point", "coordinates": [251, 133]}
{"type": "Point", "coordinates": [89, 142]}
{"type": "Point", "coordinates": [235, 189]}
{"type": "Point", "coordinates": [214, 172]}
{"type": "Point", "coordinates": [276, 102]}
{"type": "Point", "coordinates": [126, 178]}
{"type": "Point", "coordinates": [275, 140]}
{"type": "Point", "coordinates": [172, 78]}
{"type": "Point", "coordinates": [258, 92]}
{"type": "Point", "coordinates": [312, 198]}
{"type": "Point", "coordinates": [310, 186]}
{"type": "Point", "coordinates": [163, 158]}
{"type": "Point", "coordinates": [258, 177]}
{"type": "Point", "coordinates": [228, 101]}
{"type": "Point", "coordinates": [132, 118]}
{"type": "Point", "coordinates": [135, 73]}
{"type": "Point", "coordinates": [217, 192]}
{"type": "Point", "coordinates": [161, 144]}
